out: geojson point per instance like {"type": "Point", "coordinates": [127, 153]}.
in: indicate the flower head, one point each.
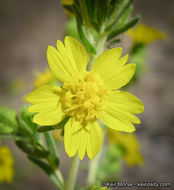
{"type": "Point", "coordinates": [145, 34]}
{"type": "Point", "coordinates": [129, 144]}
{"type": "Point", "coordinates": [6, 165]}
{"type": "Point", "coordinates": [86, 96]}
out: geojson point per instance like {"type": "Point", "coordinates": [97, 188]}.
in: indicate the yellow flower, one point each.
{"type": "Point", "coordinates": [86, 96]}
{"type": "Point", "coordinates": [43, 78]}
{"type": "Point", "coordinates": [145, 34]}
{"type": "Point", "coordinates": [130, 145]}
{"type": "Point", "coordinates": [6, 165]}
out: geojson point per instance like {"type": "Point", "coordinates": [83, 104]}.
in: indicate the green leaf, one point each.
{"type": "Point", "coordinates": [48, 170]}
{"type": "Point", "coordinates": [45, 129]}
{"type": "Point", "coordinates": [102, 10]}
{"type": "Point", "coordinates": [12, 137]}
{"type": "Point", "coordinates": [92, 6]}
{"type": "Point", "coordinates": [68, 8]}
{"type": "Point", "coordinates": [112, 43]}
{"type": "Point", "coordinates": [82, 33]}
{"type": "Point", "coordinates": [53, 158]}
{"type": "Point", "coordinates": [85, 40]}
{"type": "Point", "coordinates": [62, 123]}
{"type": "Point", "coordinates": [125, 27]}
{"type": "Point", "coordinates": [113, 13]}
{"type": "Point", "coordinates": [114, 6]}
{"type": "Point", "coordinates": [24, 129]}
{"type": "Point", "coordinates": [119, 11]}
{"type": "Point", "coordinates": [125, 17]}
{"type": "Point", "coordinates": [8, 120]}
{"type": "Point", "coordinates": [33, 150]}
{"type": "Point", "coordinates": [27, 117]}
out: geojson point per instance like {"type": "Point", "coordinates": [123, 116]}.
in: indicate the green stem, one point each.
{"type": "Point", "coordinates": [53, 159]}
{"type": "Point", "coordinates": [84, 13]}
{"type": "Point", "coordinates": [70, 184]}
{"type": "Point", "coordinates": [100, 45]}
{"type": "Point", "coordinates": [93, 166]}
{"type": "Point", "coordinates": [51, 143]}
{"type": "Point", "coordinates": [87, 24]}
{"type": "Point", "coordinates": [56, 181]}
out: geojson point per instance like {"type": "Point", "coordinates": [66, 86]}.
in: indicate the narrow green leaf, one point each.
{"type": "Point", "coordinates": [68, 8]}
{"type": "Point", "coordinates": [54, 159]}
{"type": "Point", "coordinates": [27, 117]}
{"type": "Point", "coordinates": [62, 123]}
{"type": "Point", "coordinates": [24, 129]}
{"type": "Point", "coordinates": [125, 17]}
{"type": "Point", "coordinates": [102, 10]}
{"type": "Point", "coordinates": [33, 150]}
{"type": "Point", "coordinates": [116, 41]}
{"type": "Point", "coordinates": [125, 27]}
{"type": "Point", "coordinates": [45, 129]}
{"type": "Point", "coordinates": [8, 120]}
{"type": "Point", "coordinates": [12, 137]}
{"type": "Point", "coordinates": [48, 170]}
{"type": "Point", "coordinates": [85, 40]}
{"type": "Point", "coordinates": [124, 5]}
{"type": "Point", "coordinates": [82, 34]}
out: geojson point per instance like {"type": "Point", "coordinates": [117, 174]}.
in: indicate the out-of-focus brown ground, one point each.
{"type": "Point", "coordinates": [28, 27]}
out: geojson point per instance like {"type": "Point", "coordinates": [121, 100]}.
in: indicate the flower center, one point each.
{"type": "Point", "coordinates": [84, 96]}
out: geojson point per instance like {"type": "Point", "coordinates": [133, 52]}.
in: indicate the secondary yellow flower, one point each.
{"type": "Point", "coordinates": [6, 165]}
{"type": "Point", "coordinates": [145, 34]}
{"type": "Point", "coordinates": [43, 78]}
{"type": "Point", "coordinates": [130, 145]}
{"type": "Point", "coordinates": [86, 96]}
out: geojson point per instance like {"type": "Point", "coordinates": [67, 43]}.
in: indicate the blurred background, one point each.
{"type": "Point", "coordinates": [28, 27]}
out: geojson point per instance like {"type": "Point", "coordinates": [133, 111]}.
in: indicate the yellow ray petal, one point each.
{"type": "Point", "coordinates": [125, 101]}
{"type": "Point", "coordinates": [94, 138]}
{"type": "Point", "coordinates": [44, 94]}
{"type": "Point", "coordinates": [106, 61]}
{"type": "Point", "coordinates": [113, 110]}
{"type": "Point", "coordinates": [78, 138]}
{"type": "Point", "coordinates": [120, 79]}
{"type": "Point", "coordinates": [58, 66]}
{"type": "Point", "coordinates": [116, 123]}
{"type": "Point", "coordinates": [76, 53]}
{"type": "Point", "coordinates": [44, 106]}
{"type": "Point", "coordinates": [46, 101]}
{"type": "Point", "coordinates": [68, 60]}
{"type": "Point", "coordinates": [49, 117]}
{"type": "Point", "coordinates": [112, 70]}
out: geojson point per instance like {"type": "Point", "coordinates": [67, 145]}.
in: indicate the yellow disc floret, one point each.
{"type": "Point", "coordinates": [84, 97]}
